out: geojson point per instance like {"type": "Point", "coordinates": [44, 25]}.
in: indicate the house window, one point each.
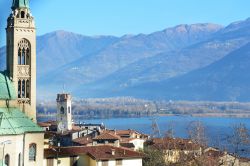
{"type": "Point", "coordinates": [105, 163]}
{"type": "Point", "coordinates": [7, 160]}
{"type": "Point", "coordinates": [19, 159]}
{"type": "Point", "coordinates": [69, 110]}
{"type": "Point", "coordinates": [118, 162]}
{"type": "Point", "coordinates": [32, 152]}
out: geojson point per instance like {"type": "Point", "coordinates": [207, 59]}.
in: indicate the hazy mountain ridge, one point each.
{"type": "Point", "coordinates": [171, 64]}
{"type": "Point", "coordinates": [65, 47]}
{"type": "Point", "coordinates": [143, 65]}
{"type": "Point", "coordinates": [127, 50]}
{"type": "Point", "coordinates": [224, 80]}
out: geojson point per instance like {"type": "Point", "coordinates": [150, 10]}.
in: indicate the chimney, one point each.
{"type": "Point", "coordinates": [113, 152]}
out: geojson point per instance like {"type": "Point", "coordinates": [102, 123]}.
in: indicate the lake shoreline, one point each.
{"type": "Point", "coordinates": [207, 115]}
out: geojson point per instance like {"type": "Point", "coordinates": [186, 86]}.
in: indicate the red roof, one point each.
{"type": "Point", "coordinates": [126, 132]}
{"type": "Point", "coordinates": [95, 152]}
{"type": "Point", "coordinates": [107, 136]}
{"type": "Point", "coordinates": [83, 140]}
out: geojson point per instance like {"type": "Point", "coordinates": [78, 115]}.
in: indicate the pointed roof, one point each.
{"type": "Point", "coordinates": [20, 4]}
{"type": "Point", "coordinates": [14, 122]}
{"type": "Point", "coordinates": [7, 90]}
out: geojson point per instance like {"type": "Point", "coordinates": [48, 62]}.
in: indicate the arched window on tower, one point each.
{"type": "Point", "coordinates": [22, 14]}
{"type": "Point", "coordinates": [24, 50]}
{"type": "Point", "coordinates": [62, 110]}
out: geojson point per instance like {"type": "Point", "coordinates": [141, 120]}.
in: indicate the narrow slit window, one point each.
{"type": "Point", "coordinates": [19, 159]}
{"type": "Point", "coordinates": [27, 89]}
{"type": "Point", "coordinates": [23, 57]}
{"type": "Point", "coordinates": [19, 56]}
{"type": "Point", "coordinates": [27, 56]}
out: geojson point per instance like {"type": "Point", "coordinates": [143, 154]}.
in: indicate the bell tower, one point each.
{"type": "Point", "coordinates": [21, 55]}
{"type": "Point", "coordinates": [64, 115]}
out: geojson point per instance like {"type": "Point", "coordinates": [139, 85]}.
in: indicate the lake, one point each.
{"type": "Point", "coordinates": [217, 129]}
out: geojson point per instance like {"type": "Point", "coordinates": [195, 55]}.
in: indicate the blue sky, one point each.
{"type": "Point", "coordinates": [119, 17]}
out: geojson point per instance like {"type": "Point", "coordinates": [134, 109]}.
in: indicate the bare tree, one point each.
{"type": "Point", "coordinates": [240, 139]}
{"type": "Point", "coordinates": [196, 132]}
{"type": "Point", "coordinates": [170, 133]}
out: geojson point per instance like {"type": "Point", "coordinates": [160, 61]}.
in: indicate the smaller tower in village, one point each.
{"type": "Point", "coordinates": [64, 116]}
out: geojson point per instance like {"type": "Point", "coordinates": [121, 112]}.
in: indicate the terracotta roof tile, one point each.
{"type": "Point", "coordinates": [126, 132]}
{"type": "Point", "coordinates": [95, 152]}
{"type": "Point", "coordinates": [83, 140]}
{"type": "Point", "coordinates": [107, 136]}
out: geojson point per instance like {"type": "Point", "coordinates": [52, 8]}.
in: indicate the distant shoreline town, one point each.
{"type": "Point", "coordinates": [131, 107]}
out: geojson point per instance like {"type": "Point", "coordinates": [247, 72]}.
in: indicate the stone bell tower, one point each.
{"type": "Point", "coordinates": [21, 55]}
{"type": "Point", "coordinates": [64, 116]}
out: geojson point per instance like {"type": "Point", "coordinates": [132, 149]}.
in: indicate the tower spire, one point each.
{"type": "Point", "coordinates": [20, 4]}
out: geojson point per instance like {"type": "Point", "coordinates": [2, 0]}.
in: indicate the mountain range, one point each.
{"type": "Point", "coordinates": [186, 62]}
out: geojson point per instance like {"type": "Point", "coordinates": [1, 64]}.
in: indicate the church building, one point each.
{"type": "Point", "coordinates": [21, 139]}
